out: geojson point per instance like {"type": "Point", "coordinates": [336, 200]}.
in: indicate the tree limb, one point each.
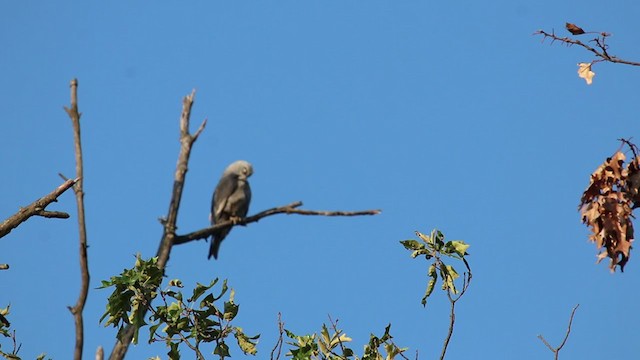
{"type": "Point", "coordinates": [556, 351]}
{"type": "Point", "coordinates": [78, 308]}
{"type": "Point", "coordinates": [37, 208]}
{"type": "Point", "coordinates": [286, 209]}
{"type": "Point", "coordinates": [169, 225]}
{"type": "Point", "coordinates": [600, 50]}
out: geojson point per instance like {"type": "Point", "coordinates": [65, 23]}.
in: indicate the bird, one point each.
{"type": "Point", "coordinates": [230, 201]}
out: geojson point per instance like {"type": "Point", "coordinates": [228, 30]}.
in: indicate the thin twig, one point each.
{"type": "Point", "coordinates": [78, 308]}
{"type": "Point", "coordinates": [334, 325]}
{"type": "Point", "coordinates": [35, 208]}
{"type": "Point", "coordinates": [286, 209]}
{"type": "Point", "coordinates": [278, 346]}
{"type": "Point", "coordinates": [556, 351]}
{"type": "Point", "coordinates": [466, 280]}
{"type": "Point", "coordinates": [169, 226]}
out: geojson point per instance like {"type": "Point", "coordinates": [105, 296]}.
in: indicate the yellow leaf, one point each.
{"type": "Point", "coordinates": [585, 72]}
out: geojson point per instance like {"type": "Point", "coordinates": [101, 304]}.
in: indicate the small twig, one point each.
{"type": "Point", "coordinates": [286, 209]}
{"type": "Point", "coordinates": [556, 351]}
{"type": "Point", "coordinates": [278, 346]}
{"type": "Point", "coordinates": [631, 146]}
{"type": "Point", "coordinates": [334, 325]}
{"type": "Point", "coordinates": [466, 280]}
{"type": "Point", "coordinates": [52, 214]}
{"type": "Point", "coordinates": [35, 208]}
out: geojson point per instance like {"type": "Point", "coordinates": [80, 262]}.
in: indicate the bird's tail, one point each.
{"type": "Point", "coordinates": [216, 240]}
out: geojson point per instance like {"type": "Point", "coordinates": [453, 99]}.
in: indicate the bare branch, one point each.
{"type": "Point", "coordinates": [35, 208]}
{"type": "Point", "coordinates": [278, 346]}
{"type": "Point", "coordinates": [286, 209]}
{"type": "Point", "coordinates": [78, 308]}
{"type": "Point", "coordinates": [52, 214]}
{"type": "Point", "coordinates": [556, 351]}
{"type": "Point", "coordinates": [600, 50]}
{"type": "Point", "coordinates": [169, 225]}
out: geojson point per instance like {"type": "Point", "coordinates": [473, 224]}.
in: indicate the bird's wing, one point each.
{"type": "Point", "coordinates": [225, 188]}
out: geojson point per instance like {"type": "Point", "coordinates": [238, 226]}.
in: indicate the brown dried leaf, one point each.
{"type": "Point", "coordinates": [574, 29]}
{"type": "Point", "coordinates": [633, 182]}
{"type": "Point", "coordinates": [605, 207]}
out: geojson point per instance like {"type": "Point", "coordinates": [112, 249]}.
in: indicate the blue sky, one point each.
{"type": "Point", "coordinates": [447, 115]}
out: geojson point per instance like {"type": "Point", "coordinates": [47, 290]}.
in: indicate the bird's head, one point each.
{"type": "Point", "coordinates": [240, 168]}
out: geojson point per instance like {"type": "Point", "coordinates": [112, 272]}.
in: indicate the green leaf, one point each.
{"type": "Point", "coordinates": [222, 350]}
{"type": "Point", "coordinates": [152, 331]}
{"type": "Point", "coordinates": [458, 246]}
{"type": "Point", "coordinates": [449, 275]}
{"type": "Point", "coordinates": [223, 291]}
{"type": "Point", "coordinates": [437, 239]}
{"type": "Point", "coordinates": [424, 237]}
{"type": "Point", "coordinates": [174, 352]}
{"type": "Point", "coordinates": [230, 310]}
{"type": "Point", "coordinates": [246, 344]}
{"type": "Point", "coordinates": [431, 284]}
{"type": "Point", "coordinates": [201, 289]}
{"type": "Point", "coordinates": [412, 245]}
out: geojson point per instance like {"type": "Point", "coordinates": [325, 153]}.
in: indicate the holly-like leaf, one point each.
{"type": "Point", "coordinates": [584, 71]}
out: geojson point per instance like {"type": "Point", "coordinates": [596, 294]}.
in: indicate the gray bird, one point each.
{"type": "Point", "coordinates": [230, 200]}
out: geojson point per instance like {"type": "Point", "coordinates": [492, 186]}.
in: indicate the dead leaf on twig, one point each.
{"type": "Point", "coordinates": [574, 29]}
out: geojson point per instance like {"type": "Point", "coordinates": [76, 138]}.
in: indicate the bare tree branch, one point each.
{"type": "Point", "coordinates": [78, 308]}
{"type": "Point", "coordinates": [556, 351]}
{"type": "Point", "coordinates": [286, 209]}
{"type": "Point", "coordinates": [600, 49]}
{"type": "Point", "coordinates": [169, 225]}
{"type": "Point", "coordinates": [36, 209]}
{"type": "Point", "coordinates": [278, 346]}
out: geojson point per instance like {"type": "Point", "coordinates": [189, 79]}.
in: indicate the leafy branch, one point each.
{"type": "Point", "coordinates": [329, 344]}
{"type": "Point", "coordinates": [183, 322]}
{"type": "Point", "coordinates": [6, 332]}
{"type": "Point", "coordinates": [434, 248]}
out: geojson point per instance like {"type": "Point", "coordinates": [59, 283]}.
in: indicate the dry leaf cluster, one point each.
{"type": "Point", "coordinates": [606, 207]}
